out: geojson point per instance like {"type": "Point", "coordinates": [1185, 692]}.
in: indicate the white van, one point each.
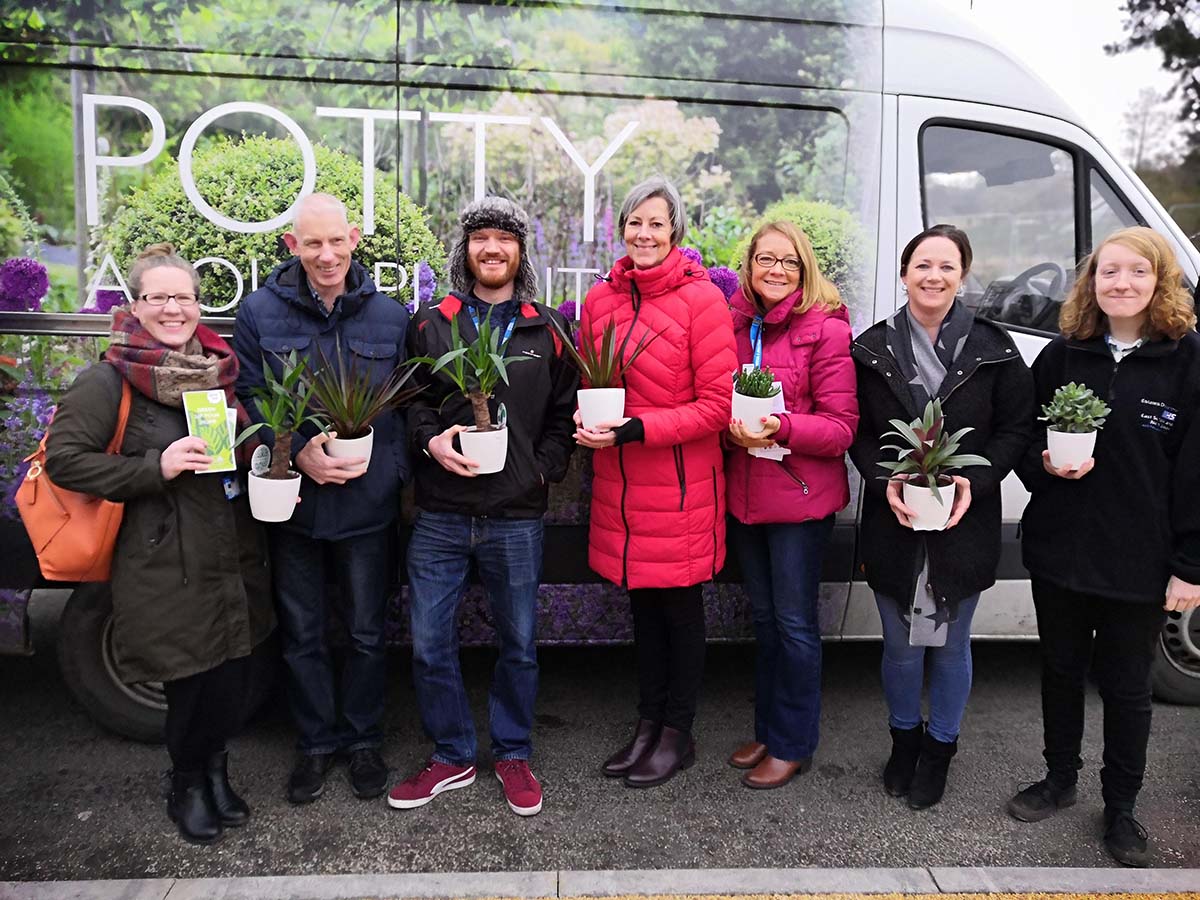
{"type": "Point", "coordinates": [879, 117]}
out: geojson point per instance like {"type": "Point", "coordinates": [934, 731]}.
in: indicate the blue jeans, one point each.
{"type": "Point", "coordinates": [333, 711]}
{"type": "Point", "coordinates": [508, 556]}
{"type": "Point", "coordinates": [781, 567]}
{"type": "Point", "coordinates": [903, 671]}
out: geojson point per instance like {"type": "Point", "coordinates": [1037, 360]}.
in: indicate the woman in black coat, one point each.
{"type": "Point", "coordinates": [927, 583]}
{"type": "Point", "coordinates": [190, 584]}
{"type": "Point", "coordinates": [1114, 544]}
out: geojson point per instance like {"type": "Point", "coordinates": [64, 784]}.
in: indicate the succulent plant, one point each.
{"type": "Point", "coordinates": [927, 453]}
{"type": "Point", "coordinates": [1075, 409]}
{"type": "Point", "coordinates": [755, 383]}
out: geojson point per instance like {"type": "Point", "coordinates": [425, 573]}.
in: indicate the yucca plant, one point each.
{"type": "Point", "coordinates": [346, 397]}
{"type": "Point", "coordinates": [604, 367]}
{"type": "Point", "coordinates": [476, 368]}
{"type": "Point", "coordinates": [755, 383]}
{"type": "Point", "coordinates": [283, 404]}
{"type": "Point", "coordinates": [927, 453]}
{"type": "Point", "coordinates": [1075, 409]}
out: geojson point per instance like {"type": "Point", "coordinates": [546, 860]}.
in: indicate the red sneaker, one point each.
{"type": "Point", "coordinates": [428, 783]}
{"type": "Point", "coordinates": [521, 789]}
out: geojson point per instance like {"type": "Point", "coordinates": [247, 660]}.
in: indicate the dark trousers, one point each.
{"type": "Point", "coordinates": [1116, 639]}
{"type": "Point", "coordinates": [668, 641]}
{"type": "Point", "coordinates": [203, 710]}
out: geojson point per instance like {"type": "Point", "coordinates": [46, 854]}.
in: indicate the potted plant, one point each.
{"type": "Point", "coordinates": [754, 393]}
{"type": "Point", "coordinates": [347, 399]}
{"type": "Point", "coordinates": [476, 368]}
{"type": "Point", "coordinates": [924, 460]}
{"type": "Point", "coordinates": [1074, 415]}
{"type": "Point", "coordinates": [602, 370]}
{"type": "Point", "coordinates": [283, 404]}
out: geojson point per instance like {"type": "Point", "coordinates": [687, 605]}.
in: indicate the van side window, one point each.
{"type": "Point", "coordinates": [1015, 199]}
{"type": "Point", "coordinates": [1109, 212]}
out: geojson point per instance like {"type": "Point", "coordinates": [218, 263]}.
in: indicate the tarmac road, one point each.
{"type": "Point", "coordinates": [78, 803]}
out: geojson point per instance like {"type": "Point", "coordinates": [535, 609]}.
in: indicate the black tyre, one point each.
{"type": "Point", "coordinates": [1176, 673]}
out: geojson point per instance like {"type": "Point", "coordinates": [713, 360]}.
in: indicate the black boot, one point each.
{"type": "Point", "coordinates": [906, 749]}
{"type": "Point", "coordinates": [673, 751]}
{"type": "Point", "coordinates": [231, 808]}
{"type": "Point", "coordinates": [643, 739]}
{"type": "Point", "coordinates": [191, 807]}
{"type": "Point", "coordinates": [929, 782]}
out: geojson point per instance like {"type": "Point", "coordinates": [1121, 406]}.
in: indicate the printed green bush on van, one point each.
{"type": "Point", "coordinates": [252, 179]}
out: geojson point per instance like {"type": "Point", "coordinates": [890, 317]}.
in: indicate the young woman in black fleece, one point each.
{"type": "Point", "coordinates": [1112, 544]}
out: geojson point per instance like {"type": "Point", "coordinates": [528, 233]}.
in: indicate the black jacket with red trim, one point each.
{"type": "Point", "coordinates": [539, 399]}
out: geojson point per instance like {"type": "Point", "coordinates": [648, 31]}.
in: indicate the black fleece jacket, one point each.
{"type": "Point", "coordinates": [539, 400]}
{"type": "Point", "coordinates": [1133, 521]}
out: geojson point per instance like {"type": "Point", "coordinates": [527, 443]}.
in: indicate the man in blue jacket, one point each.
{"type": "Point", "coordinates": [322, 303]}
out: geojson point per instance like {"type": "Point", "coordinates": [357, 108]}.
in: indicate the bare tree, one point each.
{"type": "Point", "coordinates": [1151, 133]}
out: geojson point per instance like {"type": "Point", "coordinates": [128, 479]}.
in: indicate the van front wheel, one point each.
{"type": "Point", "coordinates": [1176, 672]}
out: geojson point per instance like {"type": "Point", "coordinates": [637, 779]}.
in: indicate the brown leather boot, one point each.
{"type": "Point", "coordinates": [675, 750]}
{"type": "Point", "coordinates": [643, 739]}
{"type": "Point", "coordinates": [773, 773]}
{"type": "Point", "coordinates": [748, 755]}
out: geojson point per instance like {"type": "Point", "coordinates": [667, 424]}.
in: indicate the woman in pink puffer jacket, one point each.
{"type": "Point", "coordinates": [788, 318]}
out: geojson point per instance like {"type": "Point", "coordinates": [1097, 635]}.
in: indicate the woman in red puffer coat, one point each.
{"type": "Point", "coordinates": [658, 492]}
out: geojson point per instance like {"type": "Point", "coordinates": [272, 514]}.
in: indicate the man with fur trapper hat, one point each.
{"type": "Point", "coordinates": [495, 519]}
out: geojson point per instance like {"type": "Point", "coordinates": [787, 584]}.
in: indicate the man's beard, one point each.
{"type": "Point", "coordinates": [496, 280]}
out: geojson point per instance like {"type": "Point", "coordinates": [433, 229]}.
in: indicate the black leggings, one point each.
{"type": "Point", "coordinates": [668, 639]}
{"type": "Point", "coordinates": [202, 711]}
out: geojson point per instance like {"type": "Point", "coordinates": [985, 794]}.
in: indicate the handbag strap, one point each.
{"type": "Point", "coordinates": [118, 438]}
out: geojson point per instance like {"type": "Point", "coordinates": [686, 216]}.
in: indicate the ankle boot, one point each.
{"type": "Point", "coordinates": [191, 807]}
{"type": "Point", "coordinates": [231, 808]}
{"type": "Point", "coordinates": [929, 781]}
{"type": "Point", "coordinates": [674, 750]}
{"type": "Point", "coordinates": [643, 739]}
{"type": "Point", "coordinates": [906, 749]}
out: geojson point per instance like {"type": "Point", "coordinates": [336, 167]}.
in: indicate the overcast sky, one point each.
{"type": "Point", "coordinates": [1063, 42]}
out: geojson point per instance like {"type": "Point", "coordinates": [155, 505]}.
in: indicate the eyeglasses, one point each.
{"type": "Point", "coordinates": [162, 299]}
{"type": "Point", "coordinates": [767, 260]}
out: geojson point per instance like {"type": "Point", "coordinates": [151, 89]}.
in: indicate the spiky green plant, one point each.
{"type": "Point", "coordinates": [755, 383]}
{"type": "Point", "coordinates": [346, 396]}
{"type": "Point", "coordinates": [604, 367]}
{"type": "Point", "coordinates": [1075, 409]}
{"type": "Point", "coordinates": [283, 404]}
{"type": "Point", "coordinates": [927, 454]}
{"type": "Point", "coordinates": [476, 368]}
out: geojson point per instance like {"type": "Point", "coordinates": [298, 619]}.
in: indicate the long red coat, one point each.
{"type": "Point", "coordinates": [658, 506]}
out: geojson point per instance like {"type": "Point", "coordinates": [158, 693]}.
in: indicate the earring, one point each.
{"type": "Point", "coordinates": [904, 289]}
{"type": "Point", "coordinates": [961, 290]}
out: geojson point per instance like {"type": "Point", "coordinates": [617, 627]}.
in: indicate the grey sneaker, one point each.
{"type": "Point", "coordinates": [1040, 801]}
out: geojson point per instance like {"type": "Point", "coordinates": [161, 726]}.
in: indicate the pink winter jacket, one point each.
{"type": "Point", "coordinates": [658, 506]}
{"type": "Point", "coordinates": [810, 354]}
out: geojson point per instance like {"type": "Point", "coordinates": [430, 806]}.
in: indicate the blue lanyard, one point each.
{"type": "Point", "coordinates": [756, 330]}
{"type": "Point", "coordinates": [507, 331]}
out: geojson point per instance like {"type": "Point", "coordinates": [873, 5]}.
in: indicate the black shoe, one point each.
{"type": "Point", "coordinates": [673, 752]}
{"type": "Point", "coordinates": [308, 778]}
{"type": "Point", "coordinates": [368, 773]}
{"type": "Point", "coordinates": [644, 738]}
{"type": "Point", "coordinates": [929, 780]}
{"type": "Point", "coordinates": [1125, 839]}
{"type": "Point", "coordinates": [1040, 801]}
{"type": "Point", "coordinates": [190, 807]}
{"type": "Point", "coordinates": [906, 750]}
{"type": "Point", "coordinates": [231, 808]}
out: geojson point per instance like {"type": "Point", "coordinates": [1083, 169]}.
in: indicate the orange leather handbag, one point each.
{"type": "Point", "coordinates": [73, 534]}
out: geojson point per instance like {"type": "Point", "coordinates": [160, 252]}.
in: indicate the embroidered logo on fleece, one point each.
{"type": "Point", "coordinates": [1157, 416]}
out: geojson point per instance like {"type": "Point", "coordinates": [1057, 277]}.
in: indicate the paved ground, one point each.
{"type": "Point", "coordinates": [78, 803]}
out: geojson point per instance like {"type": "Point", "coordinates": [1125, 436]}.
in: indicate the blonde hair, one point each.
{"type": "Point", "coordinates": [156, 256]}
{"type": "Point", "coordinates": [818, 290]}
{"type": "Point", "coordinates": [1170, 311]}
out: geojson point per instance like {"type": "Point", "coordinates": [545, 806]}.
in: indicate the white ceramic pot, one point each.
{"type": "Point", "coordinates": [488, 448]}
{"type": "Point", "coordinates": [1068, 449]}
{"type": "Point", "coordinates": [349, 448]}
{"type": "Point", "coordinates": [751, 410]}
{"type": "Point", "coordinates": [931, 515]}
{"type": "Point", "coordinates": [273, 499]}
{"type": "Point", "coordinates": [598, 405]}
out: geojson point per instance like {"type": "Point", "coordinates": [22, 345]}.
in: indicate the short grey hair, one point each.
{"type": "Point", "coordinates": [656, 186]}
{"type": "Point", "coordinates": [316, 202]}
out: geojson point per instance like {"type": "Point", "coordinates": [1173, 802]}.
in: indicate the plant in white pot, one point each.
{"type": "Point", "coordinates": [476, 368]}
{"type": "Point", "coordinates": [925, 458]}
{"type": "Point", "coordinates": [347, 398]}
{"type": "Point", "coordinates": [754, 393]}
{"type": "Point", "coordinates": [283, 405]}
{"type": "Point", "coordinates": [602, 369]}
{"type": "Point", "coordinates": [1074, 415]}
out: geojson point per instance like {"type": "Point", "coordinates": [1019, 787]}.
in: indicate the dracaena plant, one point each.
{"type": "Point", "coordinates": [927, 453]}
{"type": "Point", "coordinates": [1075, 409]}
{"type": "Point", "coordinates": [603, 367]}
{"type": "Point", "coordinates": [755, 383]}
{"type": "Point", "coordinates": [283, 405]}
{"type": "Point", "coordinates": [476, 368]}
{"type": "Point", "coordinates": [346, 396]}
